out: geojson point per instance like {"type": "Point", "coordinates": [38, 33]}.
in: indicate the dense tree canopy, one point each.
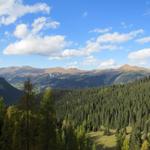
{"type": "Point", "coordinates": [116, 107]}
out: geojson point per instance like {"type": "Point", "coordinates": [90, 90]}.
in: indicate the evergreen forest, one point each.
{"type": "Point", "coordinates": [62, 119]}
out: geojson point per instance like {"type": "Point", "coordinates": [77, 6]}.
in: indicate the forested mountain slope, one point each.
{"type": "Point", "coordinates": [10, 94]}
{"type": "Point", "coordinates": [115, 107]}
{"type": "Point", "coordinates": [107, 111]}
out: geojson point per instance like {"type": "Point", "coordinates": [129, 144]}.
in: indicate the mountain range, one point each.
{"type": "Point", "coordinates": [61, 78]}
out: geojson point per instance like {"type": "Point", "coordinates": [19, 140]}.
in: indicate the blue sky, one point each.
{"type": "Point", "coordinates": [93, 34]}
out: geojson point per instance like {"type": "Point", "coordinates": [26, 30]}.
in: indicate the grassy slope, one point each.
{"type": "Point", "coordinates": [104, 142]}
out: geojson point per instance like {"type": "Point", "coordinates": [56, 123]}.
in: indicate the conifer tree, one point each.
{"type": "Point", "coordinates": [27, 105]}
{"type": "Point", "coordinates": [135, 139]}
{"type": "Point", "coordinates": [47, 127]}
{"type": "Point", "coordinates": [6, 140]}
{"type": "Point", "coordinates": [2, 113]}
{"type": "Point", "coordinates": [69, 135]}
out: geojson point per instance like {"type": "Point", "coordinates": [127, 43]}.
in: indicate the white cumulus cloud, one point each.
{"type": "Point", "coordinates": [108, 41]}
{"type": "Point", "coordinates": [11, 10]}
{"type": "Point", "coordinates": [43, 22]}
{"type": "Point", "coordinates": [30, 41]}
{"type": "Point", "coordinates": [99, 64]}
{"type": "Point", "coordinates": [118, 37]}
{"type": "Point", "coordinates": [90, 61]}
{"type": "Point", "coordinates": [110, 63]}
{"type": "Point", "coordinates": [21, 31]}
{"type": "Point", "coordinates": [140, 54]}
{"type": "Point", "coordinates": [144, 40]}
{"type": "Point", "coordinates": [47, 45]}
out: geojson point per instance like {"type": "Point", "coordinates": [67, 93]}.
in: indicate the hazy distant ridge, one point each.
{"type": "Point", "coordinates": [72, 77]}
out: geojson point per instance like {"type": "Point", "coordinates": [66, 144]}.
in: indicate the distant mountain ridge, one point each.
{"type": "Point", "coordinates": [72, 77]}
{"type": "Point", "coordinates": [127, 67]}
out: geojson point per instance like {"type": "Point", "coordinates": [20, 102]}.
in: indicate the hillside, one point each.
{"type": "Point", "coordinates": [97, 101]}
{"type": "Point", "coordinates": [72, 78]}
{"type": "Point", "coordinates": [10, 94]}
{"type": "Point", "coordinates": [116, 107]}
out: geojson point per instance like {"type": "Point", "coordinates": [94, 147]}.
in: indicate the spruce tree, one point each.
{"type": "Point", "coordinates": [2, 113]}
{"type": "Point", "coordinates": [47, 126]}
{"type": "Point", "coordinates": [27, 106]}
{"type": "Point", "coordinates": [135, 139]}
